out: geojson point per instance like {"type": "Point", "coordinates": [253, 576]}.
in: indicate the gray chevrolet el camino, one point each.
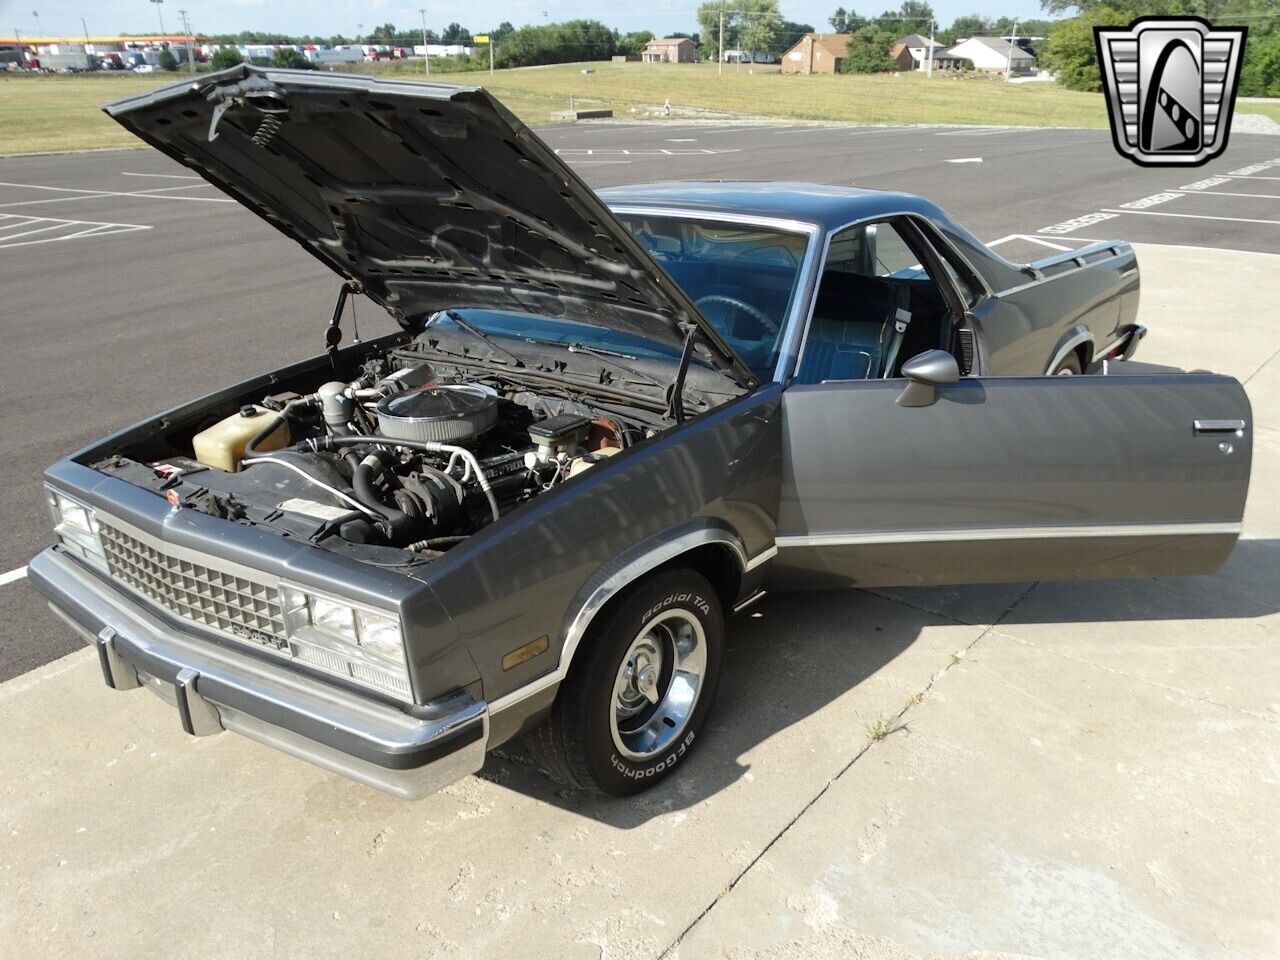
{"type": "Point", "coordinates": [609, 421]}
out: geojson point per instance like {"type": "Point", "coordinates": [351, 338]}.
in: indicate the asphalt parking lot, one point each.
{"type": "Point", "coordinates": [1083, 770]}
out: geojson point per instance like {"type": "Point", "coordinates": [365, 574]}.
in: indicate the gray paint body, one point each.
{"type": "Point", "coordinates": [828, 485]}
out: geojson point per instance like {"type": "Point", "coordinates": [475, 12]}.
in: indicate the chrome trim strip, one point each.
{"type": "Point", "coordinates": [1010, 533]}
{"type": "Point", "coordinates": [605, 591]}
{"type": "Point", "coordinates": [748, 602]}
{"type": "Point", "coordinates": [764, 556]}
{"type": "Point", "coordinates": [804, 276]}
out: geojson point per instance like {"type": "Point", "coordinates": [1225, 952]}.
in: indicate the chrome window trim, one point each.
{"type": "Point", "coordinates": [938, 239]}
{"type": "Point", "coordinates": [804, 276]}
{"type": "Point", "coordinates": [826, 247]}
{"type": "Point", "coordinates": [1204, 528]}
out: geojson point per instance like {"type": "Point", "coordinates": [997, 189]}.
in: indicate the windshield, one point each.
{"type": "Point", "coordinates": [742, 278]}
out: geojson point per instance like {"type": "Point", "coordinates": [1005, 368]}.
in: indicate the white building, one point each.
{"type": "Point", "coordinates": [993, 55]}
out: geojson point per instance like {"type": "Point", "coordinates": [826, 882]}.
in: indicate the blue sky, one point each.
{"type": "Point", "coordinates": [62, 17]}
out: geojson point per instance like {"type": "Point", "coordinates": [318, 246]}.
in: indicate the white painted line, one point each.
{"type": "Point", "coordinates": [806, 130]}
{"type": "Point", "coordinates": [1250, 177]}
{"type": "Point", "coordinates": [1074, 224]}
{"type": "Point", "coordinates": [1154, 200]}
{"type": "Point", "coordinates": [1191, 216]}
{"type": "Point", "coordinates": [1252, 196]}
{"type": "Point", "coordinates": [152, 194]}
{"type": "Point", "coordinates": [579, 163]}
{"type": "Point", "coordinates": [978, 132]}
{"type": "Point", "coordinates": [1249, 170]}
{"type": "Point", "coordinates": [87, 228]}
{"type": "Point", "coordinates": [1028, 237]}
{"type": "Point", "coordinates": [682, 139]}
{"type": "Point", "coordinates": [966, 160]}
{"type": "Point", "coordinates": [167, 176]}
{"type": "Point", "coordinates": [12, 576]}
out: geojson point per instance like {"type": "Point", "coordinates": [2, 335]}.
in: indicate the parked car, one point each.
{"type": "Point", "coordinates": [607, 423]}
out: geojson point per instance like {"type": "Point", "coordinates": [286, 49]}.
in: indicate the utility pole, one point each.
{"type": "Point", "coordinates": [426, 54]}
{"type": "Point", "coordinates": [1008, 63]}
{"type": "Point", "coordinates": [160, 13]}
{"type": "Point", "coordinates": [186, 28]}
{"type": "Point", "coordinates": [932, 23]}
{"type": "Point", "coordinates": [720, 58]}
{"type": "Point", "coordinates": [491, 45]}
{"type": "Point", "coordinates": [85, 28]}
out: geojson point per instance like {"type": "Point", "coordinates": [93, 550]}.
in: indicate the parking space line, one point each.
{"type": "Point", "coordinates": [1237, 176]}
{"type": "Point", "coordinates": [1188, 216]}
{"type": "Point", "coordinates": [155, 193]}
{"type": "Point", "coordinates": [167, 176]}
{"type": "Point", "coordinates": [12, 576]}
{"type": "Point", "coordinates": [87, 228]}
{"type": "Point", "coordinates": [1251, 196]}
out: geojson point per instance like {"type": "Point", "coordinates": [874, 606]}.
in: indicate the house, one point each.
{"type": "Point", "coordinates": [750, 56]}
{"type": "Point", "coordinates": [670, 50]}
{"type": "Point", "coordinates": [816, 53]}
{"type": "Point", "coordinates": [994, 54]}
{"type": "Point", "coordinates": [912, 53]}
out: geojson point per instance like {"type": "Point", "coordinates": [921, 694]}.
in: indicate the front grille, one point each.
{"type": "Point", "coordinates": [225, 602]}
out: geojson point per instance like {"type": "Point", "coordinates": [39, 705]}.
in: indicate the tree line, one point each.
{"type": "Point", "coordinates": [1072, 54]}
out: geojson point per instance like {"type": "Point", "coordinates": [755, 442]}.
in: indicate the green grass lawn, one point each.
{"type": "Point", "coordinates": [43, 113]}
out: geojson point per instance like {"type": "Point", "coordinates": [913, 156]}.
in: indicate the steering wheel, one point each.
{"type": "Point", "coordinates": [737, 304]}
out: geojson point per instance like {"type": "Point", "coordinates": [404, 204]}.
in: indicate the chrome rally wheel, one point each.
{"type": "Point", "coordinates": [657, 686]}
{"type": "Point", "coordinates": [640, 688]}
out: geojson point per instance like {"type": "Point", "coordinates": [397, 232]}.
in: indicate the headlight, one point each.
{"type": "Point", "coordinates": [346, 640]}
{"type": "Point", "coordinates": [77, 528]}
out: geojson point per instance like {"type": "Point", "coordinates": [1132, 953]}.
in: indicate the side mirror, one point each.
{"type": "Point", "coordinates": [924, 372]}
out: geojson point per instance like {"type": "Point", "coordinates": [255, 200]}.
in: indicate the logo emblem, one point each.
{"type": "Point", "coordinates": [1171, 87]}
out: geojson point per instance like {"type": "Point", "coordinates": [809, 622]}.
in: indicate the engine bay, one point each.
{"type": "Point", "coordinates": [421, 446]}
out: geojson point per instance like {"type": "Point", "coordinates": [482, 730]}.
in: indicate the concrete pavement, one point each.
{"type": "Point", "coordinates": [1074, 771]}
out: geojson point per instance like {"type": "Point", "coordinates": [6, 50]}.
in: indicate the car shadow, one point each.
{"type": "Point", "coordinates": [792, 654]}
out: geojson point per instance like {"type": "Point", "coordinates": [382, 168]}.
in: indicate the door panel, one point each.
{"type": "Point", "coordinates": [1010, 479]}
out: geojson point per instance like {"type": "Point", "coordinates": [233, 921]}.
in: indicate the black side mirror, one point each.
{"type": "Point", "coordinates": [924, 372]}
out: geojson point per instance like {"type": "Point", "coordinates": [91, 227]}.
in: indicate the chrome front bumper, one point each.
{"type": "Point", "coordinates": [409, 755]}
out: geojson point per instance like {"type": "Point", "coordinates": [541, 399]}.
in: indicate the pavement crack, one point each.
{"type": "Point", "coordinates": [1262, 366]}
{"type": "Point", "coordinates": [896, 722]}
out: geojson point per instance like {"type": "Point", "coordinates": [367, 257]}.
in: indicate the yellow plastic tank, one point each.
{"type": "Point", "coordinates": [222, 445]}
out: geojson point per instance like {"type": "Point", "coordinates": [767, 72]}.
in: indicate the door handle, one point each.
{"type": "Point", "coordinates": [1235, 427]}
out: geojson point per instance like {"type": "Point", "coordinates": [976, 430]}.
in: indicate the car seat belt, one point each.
{"type": "Point", "coordinates": [901, 320]}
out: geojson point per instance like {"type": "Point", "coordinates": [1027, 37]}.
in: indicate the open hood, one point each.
{"type": "Point", "coordinates": [428, 196]}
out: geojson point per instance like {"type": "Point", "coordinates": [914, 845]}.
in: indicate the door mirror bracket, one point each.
{"type": "Point", "coordinates": [924, 372]}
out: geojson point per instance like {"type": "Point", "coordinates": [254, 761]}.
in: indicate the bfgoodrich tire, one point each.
{"type": "Point", "coordinates": [640, 689]}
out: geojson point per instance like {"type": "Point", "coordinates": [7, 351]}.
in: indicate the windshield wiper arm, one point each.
{"type": "Point", "coordinates": [466, 325]}
{"type": "Point", "coordinates": [608, 357]}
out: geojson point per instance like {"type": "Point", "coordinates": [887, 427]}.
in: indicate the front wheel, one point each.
{"type": "Point", "coordinates": [640, 690]}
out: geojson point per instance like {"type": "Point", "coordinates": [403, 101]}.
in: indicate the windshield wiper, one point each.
{"type": "Point", "coordinates": [608, 357]}
{"type": "Point", "coordinates": [464, 324]}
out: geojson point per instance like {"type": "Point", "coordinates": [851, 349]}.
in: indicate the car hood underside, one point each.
{"type": "Point", "coordinates": [428, 196]}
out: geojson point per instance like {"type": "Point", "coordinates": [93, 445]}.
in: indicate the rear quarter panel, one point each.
{"type": "Point", "coordinates": [1024, 326]}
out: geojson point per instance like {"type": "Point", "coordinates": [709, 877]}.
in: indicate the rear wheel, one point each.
{"type": "Point", "coordinates": [640, 690]}
{"type": "Point", "coordinates": [1070, 366]}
